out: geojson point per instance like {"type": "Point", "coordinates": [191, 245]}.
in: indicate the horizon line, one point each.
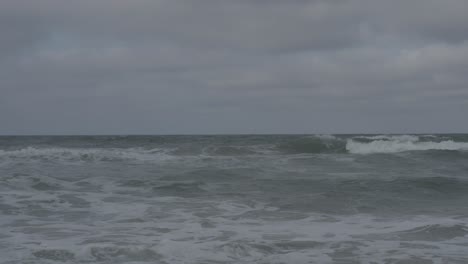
{"type": "Point", "coordinates": [234, 134]}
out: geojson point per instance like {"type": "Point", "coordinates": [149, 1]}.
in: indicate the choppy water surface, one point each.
{"type": "Point", "coordinates": [234, 199]}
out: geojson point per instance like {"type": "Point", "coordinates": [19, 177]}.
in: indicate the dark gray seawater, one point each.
{"type": "Point", "coordinates": [234, 199]}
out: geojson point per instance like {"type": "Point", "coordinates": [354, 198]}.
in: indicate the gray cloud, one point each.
{"type": "Point", "coordinates": [115, 66]}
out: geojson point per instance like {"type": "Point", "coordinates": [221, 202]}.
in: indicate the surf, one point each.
{"type": "Point", "coordinates": [395, 144]}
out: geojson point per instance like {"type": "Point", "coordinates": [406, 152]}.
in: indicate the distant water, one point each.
{"type": "Point", "coordinates": [234, 199]}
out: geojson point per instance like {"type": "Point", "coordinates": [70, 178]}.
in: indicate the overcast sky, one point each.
{"type": "Point", "coordinates": [233, 66]}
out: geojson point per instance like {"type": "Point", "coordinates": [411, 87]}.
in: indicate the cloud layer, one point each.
{"type": "Point", "coordinates": [233, 66]}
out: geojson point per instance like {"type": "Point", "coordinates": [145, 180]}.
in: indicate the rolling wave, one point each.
{"type": "Point", "coordinates": [84, 154]}
{"type": "Point", "coordinates": [399, 144]}
{"type": "Point", "coordinates": [315, 144]}
{"type": "Point", "coordinates": [371, 144]}
{"type": "Point", "coordinates": [220, 147]}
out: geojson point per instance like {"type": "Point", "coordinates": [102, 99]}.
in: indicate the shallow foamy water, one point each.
{"type": "Point", "coordinates": [234, 199]}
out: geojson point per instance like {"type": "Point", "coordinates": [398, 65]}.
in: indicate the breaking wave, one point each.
{"type": "Point", "coordinates": [371, 144]}
{"type": "Point", "coordinates": [239, 147]}
{"type": "Point", "coordinates": [312, 145]}
{"type": "Point", "coordinates": [84, 154]}
{"type": "Point", "coordinates": [394, 144]}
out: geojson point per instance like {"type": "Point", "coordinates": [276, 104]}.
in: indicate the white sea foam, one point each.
{"type": "Point", "coordinates": [153, 229]}
{"type": "Point", "coordinates": [215, 204]}
{"type": "Point", "coordinates": [326, 136]}
{"type": "Point", "coordinates": [88, 154]}
{"type": "Point", "coordinates": [411, 138]}
{"type": "Point", "coordinates": [399, 144]}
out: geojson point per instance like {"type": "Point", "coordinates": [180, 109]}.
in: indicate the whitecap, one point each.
{"type": "Point", "coordinates": [85, 154]}
{"type": "Point", "coordinates": [399, 145]}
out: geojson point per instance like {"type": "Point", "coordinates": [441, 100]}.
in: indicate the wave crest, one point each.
{"type": "Point", "coordinates": [314, 144]}
{"type": "Point", "coordinates": [394, 144]}
{"type": "Point", "coordinates": [84, 154]}
{"type": "Point", "coordinates": [237, 147]}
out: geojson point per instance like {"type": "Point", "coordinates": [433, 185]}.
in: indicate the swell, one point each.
{"type": "Point", "coordinates": [401, 144]}
{"type": "Point", "coordinates": [410, 196]}
{"type": "Point", "coordinates": [83, 154]}
{"type": "Point", "coordinates": [373, 144]}
{"type": "Point", "coordinates": [162, 148]}
{"type": "Point", "coordinates": [313, 144]}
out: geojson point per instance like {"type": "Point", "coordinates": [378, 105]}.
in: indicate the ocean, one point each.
{"type": "Point", "coordinates": [234, 199]}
